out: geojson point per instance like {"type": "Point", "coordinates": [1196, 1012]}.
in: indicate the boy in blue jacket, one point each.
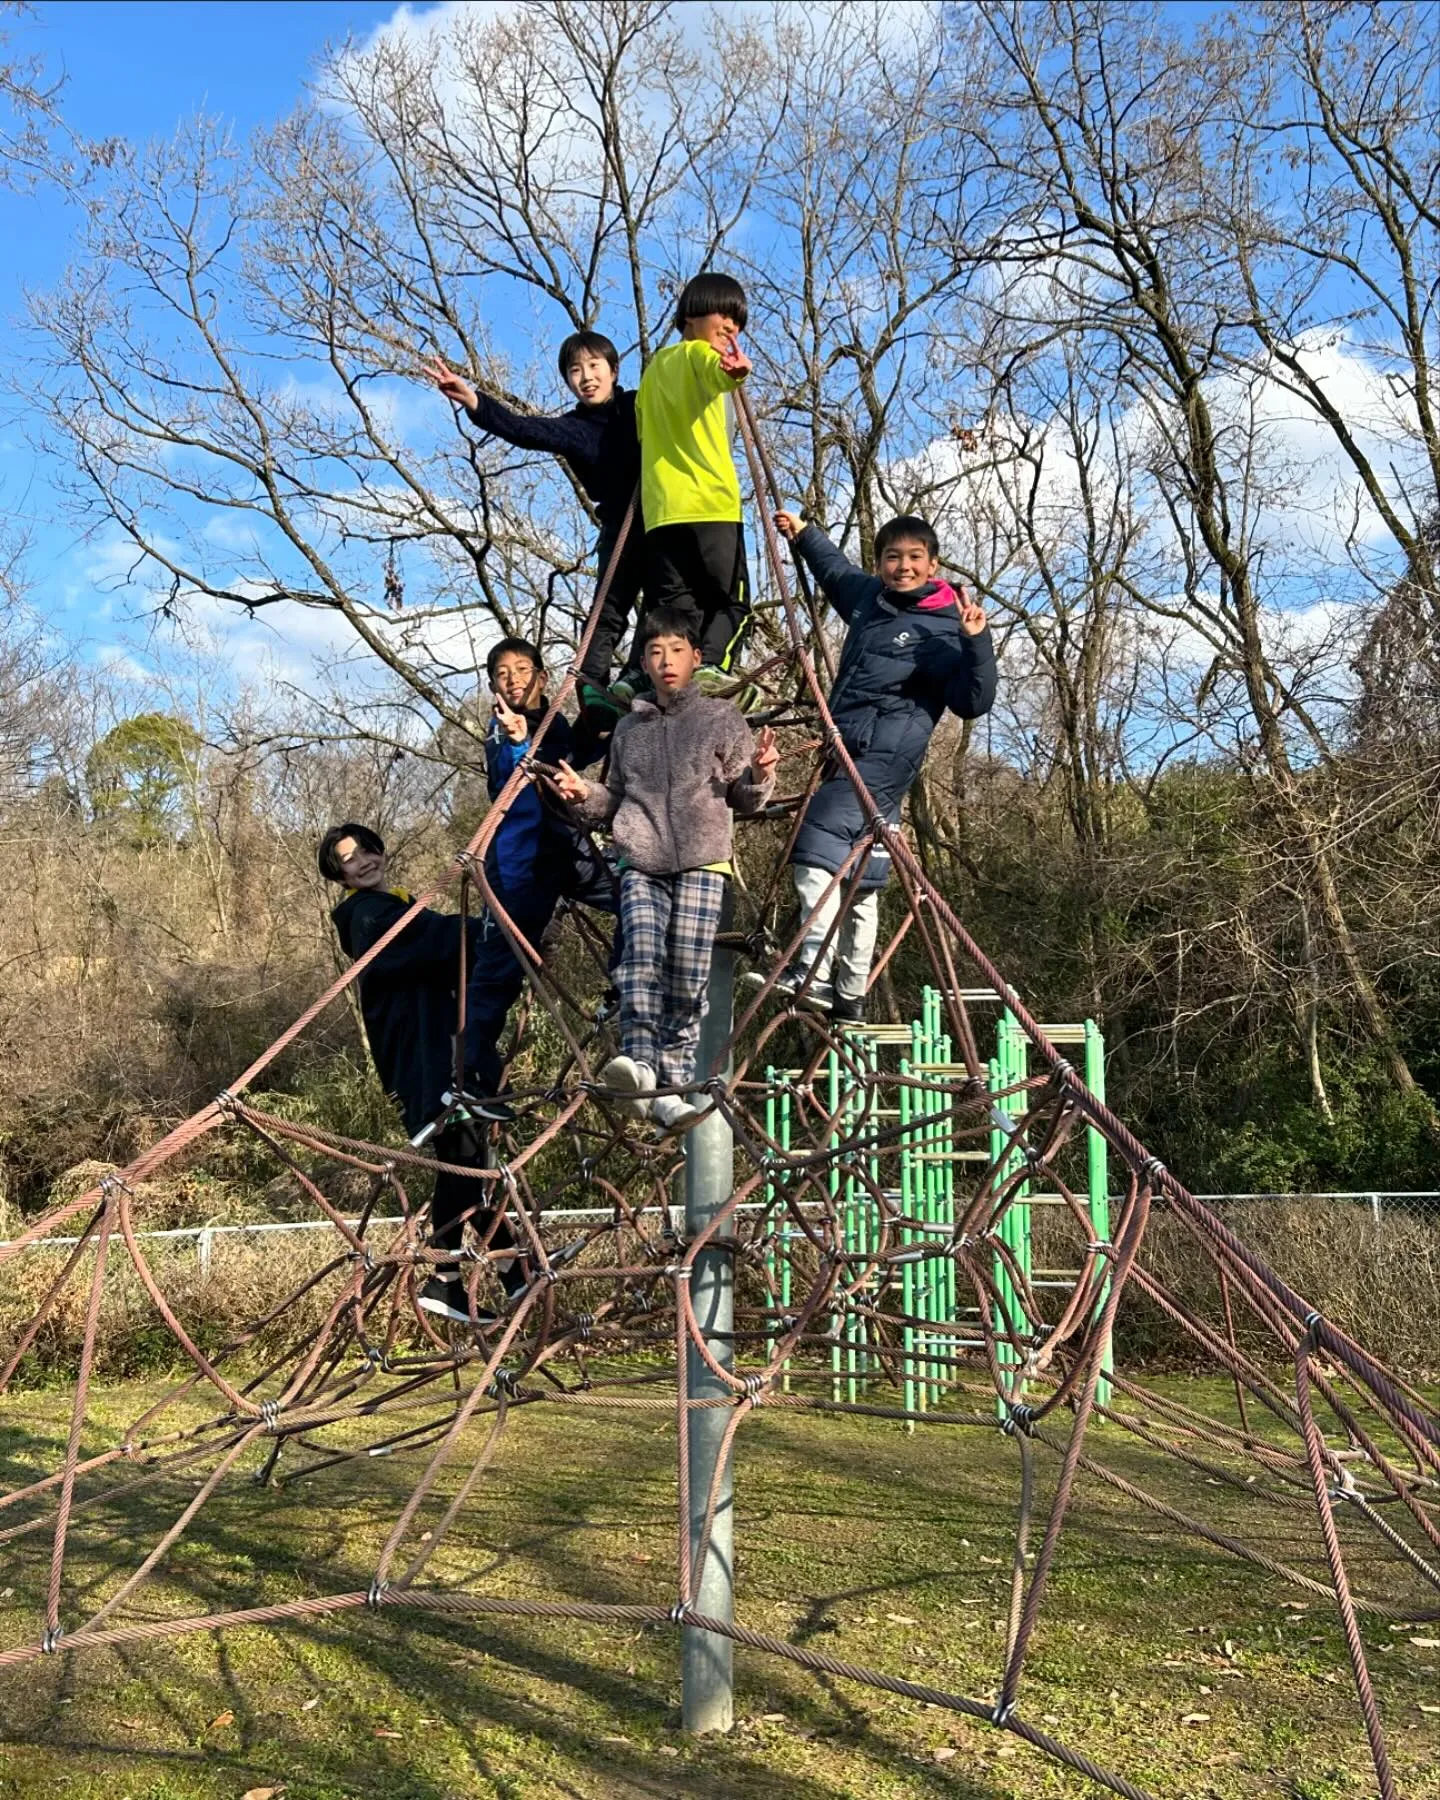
{"type": "Point", "coordinates": [914, 649]}
{"type": "Point", "coordinates": [535, 858]}
{"type": "Point", "coordinates": [598, 442]}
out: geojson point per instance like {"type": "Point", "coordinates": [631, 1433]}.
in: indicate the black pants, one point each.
{"type": "Point", "coordinates": [457, 1196]}
{"type": "Point", "coordinates": [497, 978]}
{"type": "Point", "coordinates": [701, 569]}
{"type": "Point", "coordinates": [620, 599]}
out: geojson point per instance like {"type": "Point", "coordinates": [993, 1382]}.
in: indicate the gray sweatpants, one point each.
{"type": "Point", "coordinates": [852, 949]}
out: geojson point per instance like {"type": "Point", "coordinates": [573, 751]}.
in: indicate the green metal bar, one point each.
{"type": "Point", "coordinates": [907, 1270]}
{"type": "Point", "coordinates": [1098, 1166]}
{"type": "Point", "coordinates": [833, 1181]}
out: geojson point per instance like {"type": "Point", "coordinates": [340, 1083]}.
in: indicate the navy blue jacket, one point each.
{"type": "Point", "coordinates": [408, 996]}
{"type": "Point", "coordinates": [539, 851]}
{"type": "Point", "coordinates": [600, 444]}
{"type": "Point", "coordinates": [905, 661]}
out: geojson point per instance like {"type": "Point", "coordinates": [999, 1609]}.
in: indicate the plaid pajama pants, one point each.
{"type": "Point", "coordinates": [670, 923]}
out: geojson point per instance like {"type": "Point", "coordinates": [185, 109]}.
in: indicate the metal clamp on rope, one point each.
{"type": "Point", "coordinates": [1063, 1074]}
{"type": "Point", "coordinates": [378, 1590]}
{"type": "Point", "coordinates": [1154, 1169]}
{"type": "Point", "coordinates": [1002, 1712]}
{"type": "Point", "coordinates": [676, 1614]}
{"type": "Point", "coordinates": [1018, 1418]}
{"type": "Point", "coordinates": [465, 859]}
{"type": "Point", "coordinates": [584, 1325]}
{"type": "Point", "coordinates": [270, 1416]}
{"type": "Point", "coordinates": [51, 1639]}
{"type": "Point", "coordinates": [1313, 1322]}
{"type": "Point", "coordinates": [755, 1386]}
{"type": "Point", "coordinates": [377, 1358]}
{"type": "Point", "coordinates": [225, 1101]}
{"type": "Point", "coordinates": [1098, 1247]}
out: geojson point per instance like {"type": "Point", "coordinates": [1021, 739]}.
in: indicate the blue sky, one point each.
{"type": "Point", "coordinates": [134, 70]}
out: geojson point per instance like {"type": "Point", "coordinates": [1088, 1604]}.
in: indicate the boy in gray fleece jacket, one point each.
{"type": "Point", "coordinates": [679, 766]}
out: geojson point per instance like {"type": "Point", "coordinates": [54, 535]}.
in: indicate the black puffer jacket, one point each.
{"type": "Point", "coordinates": [906, 660]}
{"type": "Point", "coordinates": [408, 996]}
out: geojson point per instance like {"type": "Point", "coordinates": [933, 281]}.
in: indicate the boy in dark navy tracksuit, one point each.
{"type": "Point", "coordinates": [914, 649]}
{"type": "Point", "coordinates": [536, 857]}
{"type": "Point", "coordinates": [597, 439]}
{"type": "Point", "coordinates": [409, 1004]}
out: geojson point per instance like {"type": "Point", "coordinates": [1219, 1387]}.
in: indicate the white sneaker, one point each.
{"type": "Point", "coordinates": [634, 1080]}
{"type": "Point", "coordinates": [672, 1111]}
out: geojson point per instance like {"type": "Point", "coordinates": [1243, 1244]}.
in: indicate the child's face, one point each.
{"type": "Point", "coordinates": [718, 330]}
{"type": "Point", "coordinates": [671, 663]}
{"type": "Point", "coordinates": [590, 378]}
{"type": "Point", "coordinates": [518, 682]}
{"type": "Point", "coordinates": [907, 565]}
{"type": "Point", "coordinates": [360, 868]}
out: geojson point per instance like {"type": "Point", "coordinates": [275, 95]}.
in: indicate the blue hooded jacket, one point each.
{"type": "Point", "coordinates": [905, 662]}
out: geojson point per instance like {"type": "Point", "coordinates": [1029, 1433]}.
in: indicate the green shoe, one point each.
{"type": "Point", "coordinates": [601, 703]}
{"type": "Point", "coordinates": [714, 681]}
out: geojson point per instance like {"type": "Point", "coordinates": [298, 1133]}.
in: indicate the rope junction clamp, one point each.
{"type": "Point", "coordinates": [1021, 1419]}
{"type": "Point", "coordinates": [378, 1590]}
{"type": "Point", "coordinates": [1002, 1713]}
{"type": "Point", "coordinates": [51, 1639]}
{"type": "Point", "coordinates": [270, 1416]}
{"type": "Point", "coordinates": [1313, 1322]}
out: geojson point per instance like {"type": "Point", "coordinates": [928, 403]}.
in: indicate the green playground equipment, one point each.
{"type": "Point", "coordinates": [930, 1321]}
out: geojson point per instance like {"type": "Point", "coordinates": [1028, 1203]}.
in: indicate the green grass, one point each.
{"type": "Point", "coordinates": [854, 1538]}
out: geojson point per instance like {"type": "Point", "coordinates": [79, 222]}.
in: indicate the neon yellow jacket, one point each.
{"type": "Point", "coordinates": [687, 473]}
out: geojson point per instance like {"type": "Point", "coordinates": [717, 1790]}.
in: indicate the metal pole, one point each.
{"type": "Point", "coordinates": [707, 1660]}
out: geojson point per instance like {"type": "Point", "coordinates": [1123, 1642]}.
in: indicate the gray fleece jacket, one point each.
{"type": "Point", "coordinates": [677, 771]}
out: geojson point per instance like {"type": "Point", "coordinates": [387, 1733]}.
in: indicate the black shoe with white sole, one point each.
{"type": "Point", "coordinates": [848, 1009]}
{"type": "Point", "coordinates": [446, 1298]}
{"type": "Point", "coordinates": [818, 997]}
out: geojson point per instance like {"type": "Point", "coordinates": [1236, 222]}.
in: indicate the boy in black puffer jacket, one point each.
{"type": "Point", "coordinates": [408, 1001]}
{"type": "Point", "coordinates": [915, 648]}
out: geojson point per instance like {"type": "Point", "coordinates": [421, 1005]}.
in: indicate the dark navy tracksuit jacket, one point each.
{"type": "Point", "coordinates": [537, 856]}
{"type": "Point", "coordinates": [905, 661]}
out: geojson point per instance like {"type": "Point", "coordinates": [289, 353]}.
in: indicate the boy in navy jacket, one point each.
{"type": "Point", "coordinates": [914, 649]}
{"type": "Point", "coordinates": [535, 858]}
{"type": "Point", "coordinates": [598, 441]}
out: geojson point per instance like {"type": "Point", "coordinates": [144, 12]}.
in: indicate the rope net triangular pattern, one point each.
{"type": "Point", "coordinates": [1028, 1359]}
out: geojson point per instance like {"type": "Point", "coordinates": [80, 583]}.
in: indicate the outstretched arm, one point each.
{"type": "Point", "coordinates": [561, 435]}
{"type": "Point", "coordinates": [592, 802]}
{"type": "Point", "coordinates": [842, 584]}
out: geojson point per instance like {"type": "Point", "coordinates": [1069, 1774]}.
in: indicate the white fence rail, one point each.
{"type": "Point", "coordinates": [206, 1236]}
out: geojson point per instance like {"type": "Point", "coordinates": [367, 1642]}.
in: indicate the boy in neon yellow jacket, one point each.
{"type": "Point", "coordinates": [690, 493]}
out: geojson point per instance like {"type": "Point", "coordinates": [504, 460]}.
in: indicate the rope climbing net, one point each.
{"type": "Point", "coordinates": [831, 1235]}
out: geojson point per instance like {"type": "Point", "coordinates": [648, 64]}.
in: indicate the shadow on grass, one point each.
{"type": "Point", "coordinates": [503, 1707]}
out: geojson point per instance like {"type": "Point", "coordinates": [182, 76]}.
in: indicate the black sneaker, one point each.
{"type": "Point", "coordinates": [446, 1298]}
{"type": "Point", "coordinates": [848, 1009]}
{"type": "Point", "coordinates": [818, 997]}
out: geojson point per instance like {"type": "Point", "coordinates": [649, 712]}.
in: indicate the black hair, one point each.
{"type": "Point", "coordinates": [667, 621]}
{"type": "Point", "coordinates": [587, 343]}
{"type": "Point", "coordinates": [709, 292]}
{"type": "Point", "coordinates": [366, 838]}
{"type": "Point", "coordinates": [512, 646]}
{"type": "Point", "coordinates": [910, 528]}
